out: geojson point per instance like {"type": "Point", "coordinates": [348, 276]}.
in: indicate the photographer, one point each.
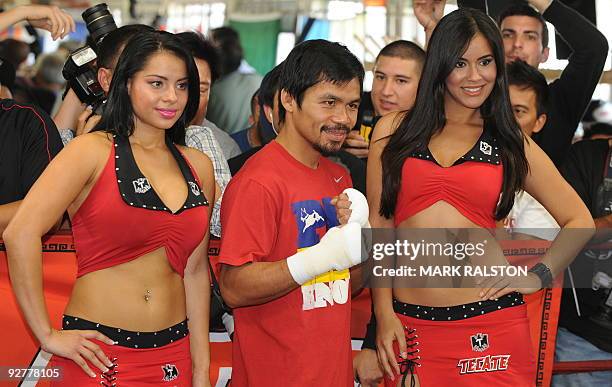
{"type": "Point", "coordinates": [73, 114]}
{"type": "Point", "coordinates": [585, 329]}
{"type": "Point", "coordinates": [28, 141]}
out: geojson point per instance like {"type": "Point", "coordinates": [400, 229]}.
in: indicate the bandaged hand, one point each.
{"type": "Point", "coordinates": [339, 249]}
{"type": "Point", "coordinates": [360, 211]}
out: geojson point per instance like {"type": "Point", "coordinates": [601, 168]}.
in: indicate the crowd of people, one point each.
{"type": "Point", "coordinates": [290, 170]}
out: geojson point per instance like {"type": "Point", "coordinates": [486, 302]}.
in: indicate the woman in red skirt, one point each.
{"type": "Point", "coordinates": [139, 205]}
{"type": "Point", "coordinates": [455, 161]}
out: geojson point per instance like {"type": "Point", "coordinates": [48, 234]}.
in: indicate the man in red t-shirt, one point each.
{"type": "Point", "coordinates": [284, 262]}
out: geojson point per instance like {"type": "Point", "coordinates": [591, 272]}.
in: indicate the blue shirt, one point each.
{"type": "Point", "coordinates": [242, 139]}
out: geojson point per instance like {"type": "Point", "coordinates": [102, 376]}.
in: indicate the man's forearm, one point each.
{"type": "Point", "coordinates": [571, 93]}
{"type": "Point", "coordinates": [7, 211]}
{"type": "Point", "coordinates": [579, 33]}
{"type": "Point", "coordinates": [69, 111]}
{"type": "Point", "coordinates": [255, 283]}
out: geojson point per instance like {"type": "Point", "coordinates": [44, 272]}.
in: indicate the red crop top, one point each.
{"type": "Point", "coordinates": [472, 184]}
{"type": "Point", "coordinates": [123, 218]}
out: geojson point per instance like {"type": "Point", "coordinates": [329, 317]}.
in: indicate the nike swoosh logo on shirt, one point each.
{"type": "Point", "coordinates": [338, 179]}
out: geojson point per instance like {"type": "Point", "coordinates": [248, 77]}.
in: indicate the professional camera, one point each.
{"type": "Point", "coordinates": [601, 280]}
{"type": "Point", "coordinates": [80, 69]}
{"type": "Point", "coordinates": [603, 316]}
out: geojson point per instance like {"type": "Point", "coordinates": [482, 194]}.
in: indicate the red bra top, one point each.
{"type": "Point", "coordinates": [123, 218]}
{"type": "Point", "coordinates": [472, 184]}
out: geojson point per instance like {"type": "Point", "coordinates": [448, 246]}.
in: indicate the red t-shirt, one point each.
{"type": "Point", "coordinates": [272, 208]}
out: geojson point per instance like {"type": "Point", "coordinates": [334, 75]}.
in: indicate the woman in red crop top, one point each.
{"type": "Point", "coordinates": [455, 161]}
{"type": "Point", "coordinates": [139, 206]}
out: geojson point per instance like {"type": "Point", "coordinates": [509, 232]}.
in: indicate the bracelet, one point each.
{"type": "Point", "coordinates": [543, 273]}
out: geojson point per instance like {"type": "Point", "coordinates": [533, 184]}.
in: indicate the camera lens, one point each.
{"type": "Point", "coordinates": [99, 21]}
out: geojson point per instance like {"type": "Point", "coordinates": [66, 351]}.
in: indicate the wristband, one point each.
{"type": "Point", "coordinates": [543, 273]}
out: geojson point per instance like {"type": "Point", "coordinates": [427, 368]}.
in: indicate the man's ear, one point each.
{"type": "Point", "coordinates": [545, 53]}
{"type": "Point", "coordinates": [104, 78]}
{"type": "Point", "coordinates": [287, 101]}
{"type": "Point", "coordinates": [539, 124]}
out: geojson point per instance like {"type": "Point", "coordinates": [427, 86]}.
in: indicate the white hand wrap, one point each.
{"type": "Point", "coordinates": [360, 212]}
{"type": "Point", "coordinates": [339, 249]}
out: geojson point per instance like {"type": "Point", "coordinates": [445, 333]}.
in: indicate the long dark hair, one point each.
{"type": "Point", "coordinates": [449, 41]}
{"type": "Point", "coordinates": [118, 115]}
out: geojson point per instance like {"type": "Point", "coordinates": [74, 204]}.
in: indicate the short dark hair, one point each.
{"type": "Point", "coordinates": [14, 51]}
{"type": "Point", "coordinates": [202, 48]}
{"type": "Point", "coordinates": [7, 74]}
{"type": "Point", "coordinates": [403, 49]}
{"type": "Point", "coordinates": [118, 115]}
{"type": "Point", "coordinates": [315, 61]}
{"type": "Point", "coordinates": [524, 9]}
{"type": "Point", "coordinates": [269, 86]}
{"type": "Point", "coordinates": [526, 77]}
{"type": "Point", "coordinates": [112, 45]}
{"type": "Point", "coordinates": [227, 41]}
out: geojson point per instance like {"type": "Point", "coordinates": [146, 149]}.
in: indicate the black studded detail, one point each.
{"type": "Point", "coordinates": [137, 191]}
{"type": "Point", "coordinates": [130, 339]}
{"type": "Point", "coordinates": [485, 150]}
{"type": "Point", "coordinates": [458, 312]}
{"type": "Point", "coordinates": [109, 378]}
{"type": "Point", "coordinates": [412, 360]}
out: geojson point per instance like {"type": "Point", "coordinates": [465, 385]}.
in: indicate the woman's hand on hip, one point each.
{"type": "Point", "coordinates": [77, 346]}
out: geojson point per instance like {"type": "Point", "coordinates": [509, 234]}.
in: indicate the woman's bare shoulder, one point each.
{"type": "Point", "coordinates": [98, 139]}
{"type": "Point", "coordinates": [388, 124]}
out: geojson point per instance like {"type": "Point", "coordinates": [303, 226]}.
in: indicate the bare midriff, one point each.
{"type": "Point", "coordinates": [442, 215]}
{"type": "Point", "coordinates": [143, 295]}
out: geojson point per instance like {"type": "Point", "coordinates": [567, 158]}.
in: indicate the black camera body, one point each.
{"type": "Point", "coordinates": [602, 280]}
{"type": "Point", "coordinates": [603, 316]}
{"type": "Point", "coordinates": [81, 73]}
{"type": "Point", "coordinates": [80, 70]}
